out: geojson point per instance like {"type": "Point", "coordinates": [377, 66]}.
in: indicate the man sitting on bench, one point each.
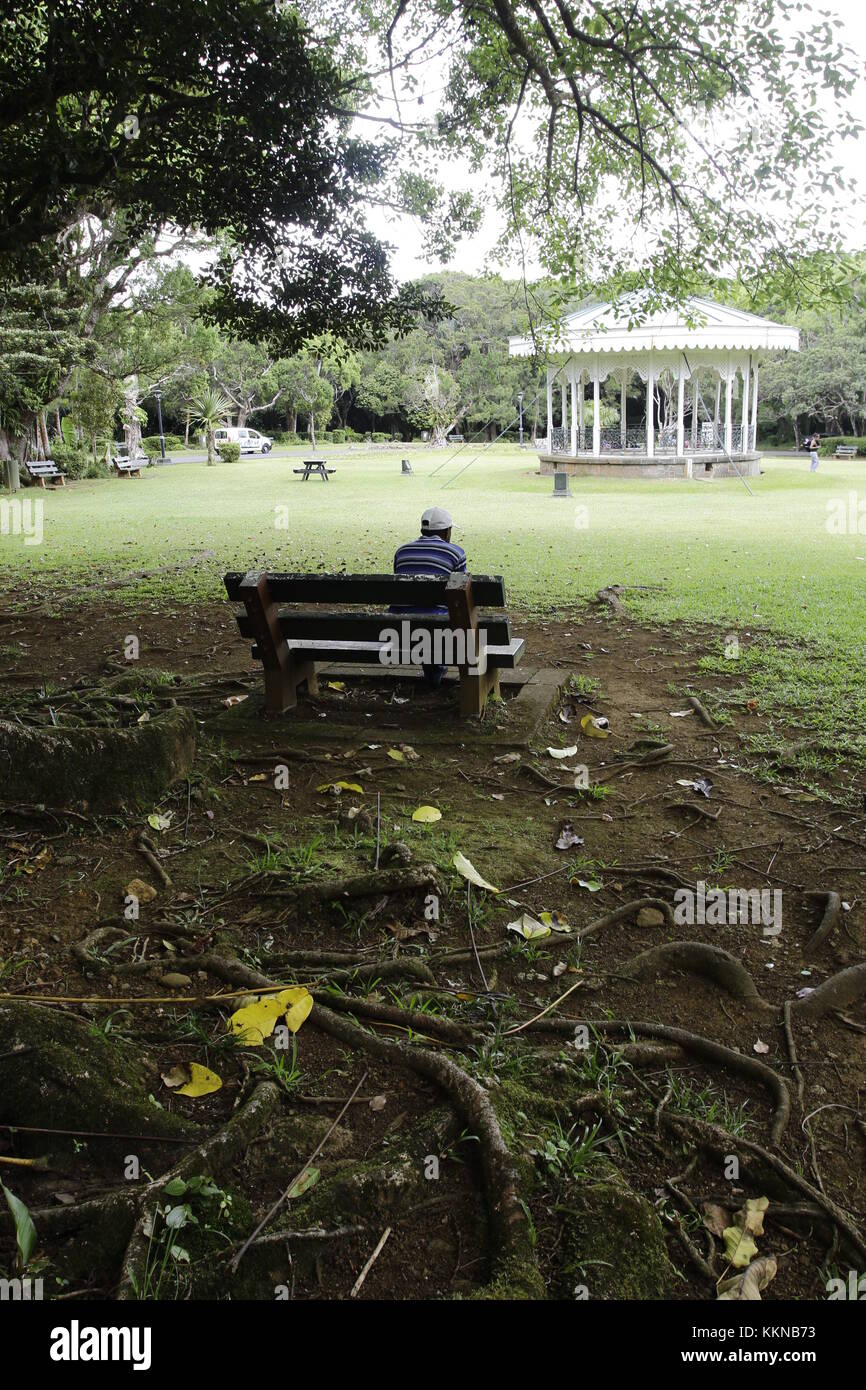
{"type": "Point", "coordinates": [433, 553]}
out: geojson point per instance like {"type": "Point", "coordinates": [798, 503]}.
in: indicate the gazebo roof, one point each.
{"type": "Point", "coordinates": [626, 327]}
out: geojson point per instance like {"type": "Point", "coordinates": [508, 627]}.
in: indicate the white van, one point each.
{"type": "Point", "coordinates": [251, 441]}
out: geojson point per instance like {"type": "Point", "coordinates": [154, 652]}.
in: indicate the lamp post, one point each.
{"type": "Point", "coordinates": [520, 412]}
{"type": "Point", "coordinates": [157, 396]}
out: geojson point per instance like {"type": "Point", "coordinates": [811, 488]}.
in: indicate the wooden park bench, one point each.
{"type": "Point", "coordinates": [291, 642]}
{"type": "Point", "coordinates": [128, 468]}
{"type": "Point", "coordinates": [845, 451]}
{"type": "Point", "coordinates": [45, 472]}
{"type": "Point", "coordinates": [315, 466]}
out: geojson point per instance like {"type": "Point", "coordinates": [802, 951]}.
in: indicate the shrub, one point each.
{"type": "Point", "coordinates": [150, 443]}
{"type": "Point", "coordinates": [230, 451]}
{"type": "Point", "coordinates": [97, 468]}
{"type": "Point", "coordinates": [379, 438]}
{"type": "Point", "coordinates": [828, 445]}
{"type": "Point", "coordinates": [338, 436]}
{"type": "Point", "coordinates": [70, 457]}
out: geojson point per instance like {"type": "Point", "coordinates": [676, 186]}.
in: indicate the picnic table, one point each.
{"type": "Point", "coordinates": [315, 466]}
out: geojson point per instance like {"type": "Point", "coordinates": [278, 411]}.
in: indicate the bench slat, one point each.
{"type": "Point", "coordinates": [368, 627]}
{"type": "Point", "coordinates": [420, 590]}
{"type": "Point", "coordinates": [503, 656]}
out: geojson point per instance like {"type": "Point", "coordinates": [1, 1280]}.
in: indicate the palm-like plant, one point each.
{"type": "Point", "coordinates": [211, 410]}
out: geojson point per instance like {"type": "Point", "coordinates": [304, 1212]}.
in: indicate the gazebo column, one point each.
{"type": "Point", "coordinates": [549, 411]}
{"type": "Point", "coordinates": [574, 410]}
{"type": "Point", "coordinates": [755, 408]}
{"type": "Point", "coordinates": [596, 416]}
{"type": "Point", "coordinates": [695, 395]}
{"type": "Point", "coordinates": [564, 406]}
{"type": "Point", "coordinates": [744, 423]}
{"type": "Point", "coordinates": [581, 405]}
{"type": "Point", "coordinates": [716, 413]}
{"type": "Point", "coordinates": [729, 427]}
{"type": "Point", "coordinates": [681, 402]}
{"type": "Point", "coordinates": [622, 411]}
{"type": "Point", "coordinates": [650, 414]}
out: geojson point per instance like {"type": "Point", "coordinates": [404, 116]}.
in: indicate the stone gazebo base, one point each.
{"type": "Point", "coordinates": [630, 464]}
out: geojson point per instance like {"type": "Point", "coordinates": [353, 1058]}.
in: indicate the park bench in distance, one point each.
{"type": "Point", "coordinates": [128, 468]}
{"type": "Point", "coordinates": [845, 451]}
{"type": "Point", "coordinates": [45, 472]}
{"type": "Point", "coordinates": [291, 642]}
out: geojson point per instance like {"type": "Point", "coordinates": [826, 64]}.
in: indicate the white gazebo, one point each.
{"type": "Point", "coordinates": [698, 367]}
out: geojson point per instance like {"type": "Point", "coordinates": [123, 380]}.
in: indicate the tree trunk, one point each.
{"type": "Point", "coordinates": [312, 429]}
{"type": "Point", "coordinates": [796, 430]}
{"type": "Point", "coordinates": [186, 429]}
{"type": "Point", "coordinates": [8, 464]}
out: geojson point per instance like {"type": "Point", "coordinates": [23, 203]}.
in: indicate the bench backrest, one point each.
{"type": "Point", "coordinates": [419, 591]}
{"type": "Point", "coordinates": [40, 469]}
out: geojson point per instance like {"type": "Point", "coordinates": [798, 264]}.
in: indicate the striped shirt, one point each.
{"type": "Point", "coordinates": [428, 555]}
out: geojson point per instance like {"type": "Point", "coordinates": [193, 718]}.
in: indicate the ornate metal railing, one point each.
{"type": "Point", "coordinates": [710, 439]}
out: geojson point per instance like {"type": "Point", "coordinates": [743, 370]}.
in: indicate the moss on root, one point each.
{"type": "Point", "coordinates": [613, 1243]}
{"type": "Point", "coordinates": [100, 769]}
{"type": "Point", "coordinates": [63, 1075]}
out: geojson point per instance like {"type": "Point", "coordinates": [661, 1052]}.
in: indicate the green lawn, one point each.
{"type": "Point", "coordinates": [717, 554]}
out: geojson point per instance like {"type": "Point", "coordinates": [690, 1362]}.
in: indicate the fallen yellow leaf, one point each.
{"type": "Point", "coordinates": [740, 1249]}
{"type": "Point", "coordinates": [464, 867]}
{"type": "Point", "coordinates": [202, 1081]}
{"type": "Point", "coordinates": [255, 1022]}
{"type": "Point", "coordinates": [426, 815]}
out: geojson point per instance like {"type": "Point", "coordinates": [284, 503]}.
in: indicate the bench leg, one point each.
{"type": "Point", "coordinates": [283, 682]}
{"type": "Point", "coordinates": [474, 691]}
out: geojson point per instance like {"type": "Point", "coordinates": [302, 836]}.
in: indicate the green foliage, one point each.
{"type": "Point", "coordinates": [94, 402]}
{"type": "Point", "coordinates": [111, 107]}
{"type": "Point", "coordinates": [825, 380]}
{"type": "Point", "coordinates": [229, 451]}
{"type": "Point", "coordinates": [40, 344]}
{"type": "Point", "coordinates": [211, 411]}
{"type": "Point", "coordinates": [25, 1231]}
{"type": "Point", "coordinates": [150, 443]}
{"type": "Point", "coordinates": [828, 444]}
{"type": "Point", "coordinates": [72, 458]}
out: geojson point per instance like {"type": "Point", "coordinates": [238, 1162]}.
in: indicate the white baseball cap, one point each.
{"type": "Point", "coordinates": [435, 519]}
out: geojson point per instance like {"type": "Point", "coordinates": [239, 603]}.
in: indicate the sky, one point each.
{"type": "Point", "coordinates": [403, 233]}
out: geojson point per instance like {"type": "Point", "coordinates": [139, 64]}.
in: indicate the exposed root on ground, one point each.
{"type": "Point", "coordinates": [721, 1141]}
{"type": "Point", "coordinates": [697, 1046]}
{"type": "Point", "coordinates": [697, 958]}
{"type": "Point", "coordinates": [514, 1267]}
